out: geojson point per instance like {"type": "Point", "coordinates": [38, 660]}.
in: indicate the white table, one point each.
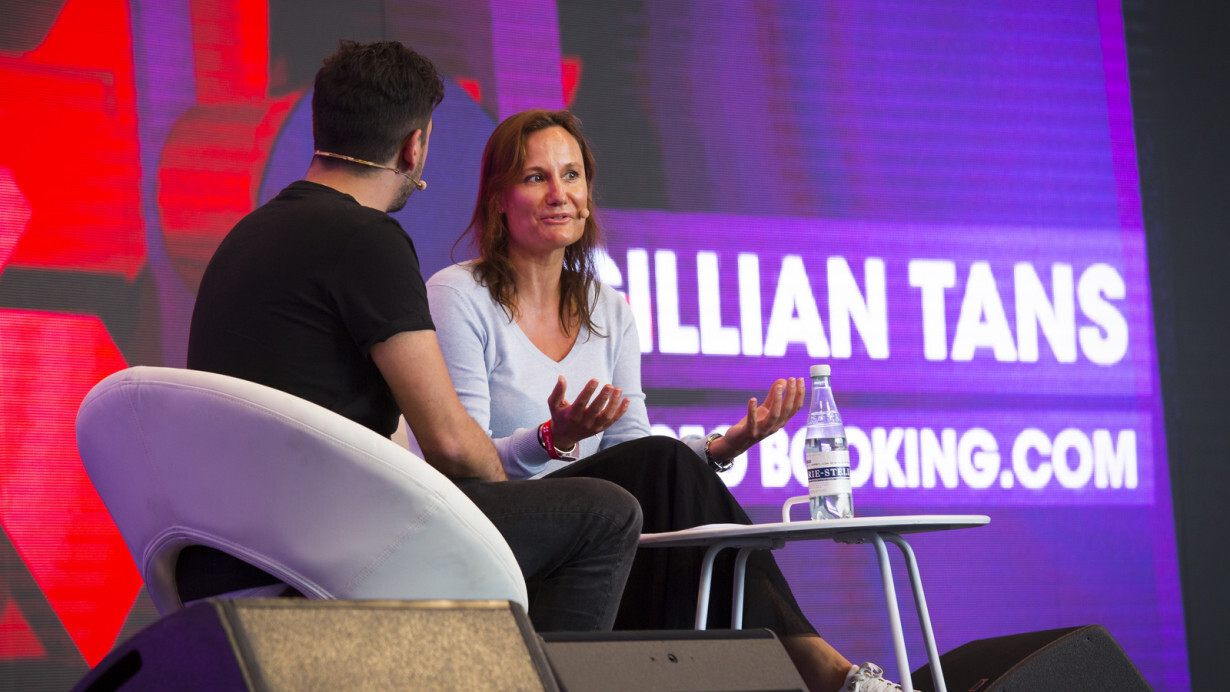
{"type": "Point", "coordinates": [875, 530]}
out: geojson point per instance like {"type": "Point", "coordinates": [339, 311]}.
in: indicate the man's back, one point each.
{"type": "Point", "coordinates": [319, 293]}
{"type": "Point", "coordinates": [297, 294]}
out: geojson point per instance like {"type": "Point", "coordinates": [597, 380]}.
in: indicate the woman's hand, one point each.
{"type": "Point", "coordinates": [784, 399]}
{"type": "Point", "coordinates": [574, 421]}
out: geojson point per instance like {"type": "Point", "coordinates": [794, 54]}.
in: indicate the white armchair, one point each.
{"type": "Point", "coordinates": [183, 458]}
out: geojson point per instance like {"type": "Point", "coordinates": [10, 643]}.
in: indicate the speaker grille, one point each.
{"type": "Point", "coordinates": [1076, 658]}
{"type": "Point", "coordinates": [297, 644]}
{"type": "Point", "coordinates": [374, 645]}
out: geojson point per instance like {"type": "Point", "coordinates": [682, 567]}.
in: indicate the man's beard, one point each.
{"type": "Point", "coordinates": [407, 188]}
{"type": "Point", "coordinates": [403, 194]}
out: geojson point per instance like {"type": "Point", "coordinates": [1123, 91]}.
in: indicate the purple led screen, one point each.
{"type": "Point", "coordinates": [940, 200]}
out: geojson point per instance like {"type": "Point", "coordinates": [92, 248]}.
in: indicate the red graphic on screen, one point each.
{"type": "Point", "coordinates": [215, 155]}
{"type": "Point", "coordinates": [64, 535]}
{"type": "Point", "coordinates": [570, 72]}
{"type": "Point", "coordinates": [17, 640]}
{"type": "Point", "coordinates": [14, 215]}
{"type": "Point", "coordinates": [70, 200]}
{"type": "Point", "coordinates": [230, 47]}
{"type": "Point", "coordinates": [68, 134]}
{"type": "Point", "coordinates": [471, 87]}
{"type": "Point", "coordinates": [210, 175]}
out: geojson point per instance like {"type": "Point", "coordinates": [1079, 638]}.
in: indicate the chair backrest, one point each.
{"type": "Point", "coordinates": [182, 457]}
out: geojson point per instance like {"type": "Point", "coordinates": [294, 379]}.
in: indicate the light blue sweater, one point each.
{"type": "Point", "coordinates": [503, 380]}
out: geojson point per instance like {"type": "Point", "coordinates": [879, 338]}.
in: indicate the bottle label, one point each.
{"type": "Point", "coordinates": [828, 472]}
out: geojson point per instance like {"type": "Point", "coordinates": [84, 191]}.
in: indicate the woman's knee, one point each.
{"type": "Point", "coordinates": [660, 450]}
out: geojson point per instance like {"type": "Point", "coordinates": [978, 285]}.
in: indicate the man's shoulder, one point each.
{"type": "Point", "coordinates": [319, 221]}
{"type": "Point", "coordinates": [306, 198]}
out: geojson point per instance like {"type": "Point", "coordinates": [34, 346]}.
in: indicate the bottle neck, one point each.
{"type": "Point", "coordinates": [822, 394]}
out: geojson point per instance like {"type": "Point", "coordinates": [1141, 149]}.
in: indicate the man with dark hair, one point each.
{"type": "Point", "coordinates": [319, 293]}
{"type": "Point", "coordinates": [374, 96]}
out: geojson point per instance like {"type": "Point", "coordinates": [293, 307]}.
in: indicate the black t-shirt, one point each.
{"type": "Point", "coordinates": [298, 293]}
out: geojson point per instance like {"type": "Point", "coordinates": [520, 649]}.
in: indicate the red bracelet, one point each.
{"type": "Point", "coordinates": [544, 439]}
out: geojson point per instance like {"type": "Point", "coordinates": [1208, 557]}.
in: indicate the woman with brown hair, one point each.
{"type": "Point", "coordinates": [528, 315]}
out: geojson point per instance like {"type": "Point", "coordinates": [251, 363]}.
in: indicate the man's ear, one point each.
{"type": "Point", "coordinates": [413, 150]}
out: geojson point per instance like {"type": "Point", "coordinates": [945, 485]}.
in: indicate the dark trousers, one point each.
{"type": "Point", "coordinates": [677, 490]}
{"type": "Point", "coordinates": [575, 539]}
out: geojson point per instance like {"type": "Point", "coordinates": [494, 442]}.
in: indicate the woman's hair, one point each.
{"type": "Point", "coordinates": [503, 162]}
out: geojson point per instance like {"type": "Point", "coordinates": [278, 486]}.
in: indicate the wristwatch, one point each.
{"type": "Point", "coordinates": [716, 464]}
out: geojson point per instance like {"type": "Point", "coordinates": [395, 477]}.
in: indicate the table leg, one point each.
{"type": "Point", "coordinates": [736, 597]}
{"type": "Point", "coordinates": [894, 615]}
{"type": "Point", "coordinates": [920, 601]}
{"type": "Point", "coordinates": [706, 577]}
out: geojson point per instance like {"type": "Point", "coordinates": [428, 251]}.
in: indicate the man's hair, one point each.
{"type": "Point", "coordinates": [370, 96]}
{"type": "Point", "coordinates": [503, 161]}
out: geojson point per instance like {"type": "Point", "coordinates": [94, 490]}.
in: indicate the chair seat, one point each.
{"type": "Point", "coordinates": [183, 457]}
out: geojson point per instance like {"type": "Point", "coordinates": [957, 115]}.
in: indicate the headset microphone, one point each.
{"type": "Point", "coordinates": [583, 214]}
{"type": "Point", "coordinates": [418, 183]}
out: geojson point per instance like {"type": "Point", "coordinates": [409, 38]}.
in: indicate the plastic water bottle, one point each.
{"type": "Point", "coordinates": [828, 459]}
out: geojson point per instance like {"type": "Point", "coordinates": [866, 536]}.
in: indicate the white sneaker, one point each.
{"type": "Point", "coordinates": [868, 678]}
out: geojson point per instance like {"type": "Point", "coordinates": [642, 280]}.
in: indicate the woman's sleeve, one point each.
{"type": "Point", "coordinates": [626, 374]}
{"type": "Point", "coordinates": [465, 341]}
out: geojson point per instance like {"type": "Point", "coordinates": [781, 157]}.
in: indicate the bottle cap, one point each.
{"type": "Point", "coordinates": [821, 371]}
